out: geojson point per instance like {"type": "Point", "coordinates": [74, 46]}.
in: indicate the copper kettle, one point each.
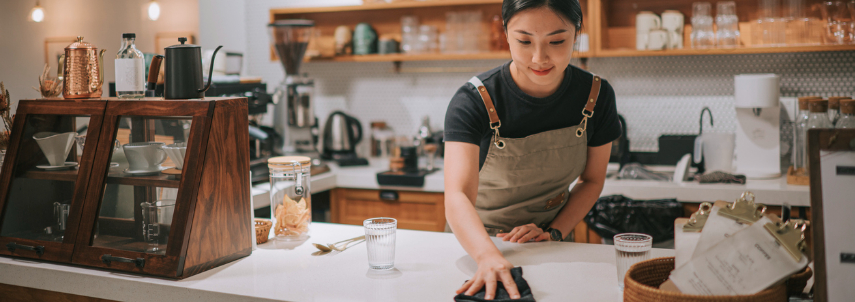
{"type": "Point", "coordinates": [82, 70]}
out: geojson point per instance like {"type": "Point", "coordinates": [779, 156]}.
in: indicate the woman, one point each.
{"type": "Point", "coordinates": [519, 135]}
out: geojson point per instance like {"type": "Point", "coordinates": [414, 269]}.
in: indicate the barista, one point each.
{"type": "Point", "coordinates": [517, 137]}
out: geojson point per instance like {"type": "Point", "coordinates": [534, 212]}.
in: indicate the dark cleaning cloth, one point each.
{"type": "Point", "coordinates": [501, 293]}
{"type": "Point", "coordinates": [720, 178]}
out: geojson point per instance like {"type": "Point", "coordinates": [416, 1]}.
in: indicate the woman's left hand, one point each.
{"type": "Point", "coordinates": [524, 233]}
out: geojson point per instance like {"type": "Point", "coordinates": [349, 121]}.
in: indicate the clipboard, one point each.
{"type": "Point", "coordinates": [832, 172]}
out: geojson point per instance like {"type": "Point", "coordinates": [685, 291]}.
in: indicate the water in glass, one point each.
{"type": "Point", "coordinates": [380, 241]}
{"type": "Point", "coordinates": [630, 248]}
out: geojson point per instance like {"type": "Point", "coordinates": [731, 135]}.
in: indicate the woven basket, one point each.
{"type": "Point", "coordinates": [797, 282]}
{"type": "Point", "coordinates": [643, 279]}
{"type": "Point", "coordinates": [262, 230]}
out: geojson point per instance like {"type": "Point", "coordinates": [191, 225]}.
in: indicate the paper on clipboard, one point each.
{"type": "Point", "coordinates": [718, 228]}
{"type": "Point", "coordinates": [684, 242]}
{"type": "Point", "coordinates": [746, 263]}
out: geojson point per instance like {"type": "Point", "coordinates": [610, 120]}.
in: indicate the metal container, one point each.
{"type": "Point", "coordinates": [83, 72]}
{"type": "Point", "coordinates": [290, 196]}
{"type": "Point", "coordinates": [183, 76]}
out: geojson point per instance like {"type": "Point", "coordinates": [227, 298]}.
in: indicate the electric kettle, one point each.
{"type": "Point", "coordinates": [183, 77]}
{"type": "Point", "coordinates": [341, 134]}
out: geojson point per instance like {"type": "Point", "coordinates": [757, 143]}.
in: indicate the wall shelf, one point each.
{"type": "Point", "coordinates": [608, 23]}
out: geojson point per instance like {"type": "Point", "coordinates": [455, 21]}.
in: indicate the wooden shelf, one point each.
{"type": "Point", "coordinates": [719, 51]}
{"type": "Point", "coordinates": [381, 6]}
{"type": "Point", "coordinates": [609, 24]}
{"type": "Point", "coordinates": [160, 180]}
{"type": "Point", "coordinates": [64, 175]}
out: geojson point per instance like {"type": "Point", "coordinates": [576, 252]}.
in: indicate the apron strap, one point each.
{"type": "Point", "coordinates": [588, 111]}
{"type": "Point", "coordinates": [495, 123]}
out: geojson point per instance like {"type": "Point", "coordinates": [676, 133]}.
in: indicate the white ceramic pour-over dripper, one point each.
{"type": "Point", "coordinates": [176, 153]}
{"type": "Point", "coordinates": [55, 146]}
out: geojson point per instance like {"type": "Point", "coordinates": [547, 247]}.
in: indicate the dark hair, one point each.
{"type": "Point", "coordinates": [570, 9]}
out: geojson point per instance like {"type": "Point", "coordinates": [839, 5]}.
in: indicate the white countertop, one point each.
{"type": "Point", "coordinates": [770, 192]}
{"type": "Point", "coordinates": [429, 266]}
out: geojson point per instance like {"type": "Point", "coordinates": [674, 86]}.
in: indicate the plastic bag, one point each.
{"type": "Point", "coordinates": [616, 214]}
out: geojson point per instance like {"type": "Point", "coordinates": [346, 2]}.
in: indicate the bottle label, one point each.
{"type": "Point", "coordinates": [130, 75]}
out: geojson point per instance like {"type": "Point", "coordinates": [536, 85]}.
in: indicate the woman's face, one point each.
{"type": "Point", "coordinates": [541, 44]}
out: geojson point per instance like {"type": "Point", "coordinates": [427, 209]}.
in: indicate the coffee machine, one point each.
{"type": "Point", "coordinates": [294, 117]}
{"type": "Point", "coordinates": [758, 112]}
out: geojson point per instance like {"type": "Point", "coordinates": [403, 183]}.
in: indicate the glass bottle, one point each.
{"type": "Point", "coordinates": [817, 119]}
{"type": "Point", "coordinates": [847, 114]}
{"type": "Point", "coordinates": [130, 69]}
{"type": "Point", "coordinates": [799, 135]}
{"type": "Point", "coordinates": [834, 108]}
{"type": "Point", "coordinates": [290, 196]}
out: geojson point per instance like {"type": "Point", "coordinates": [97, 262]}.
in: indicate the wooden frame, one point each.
{"type": "Point", "coordinates": [166, 39]}
{"type": "Point", "coordinates": [211, 224]}
{"type": "Point", "coordinates": [822, 140]}
{"type": "Point", "coordinates": [56, 43]}
{"type": "Point", "coordinates": [20, 152]}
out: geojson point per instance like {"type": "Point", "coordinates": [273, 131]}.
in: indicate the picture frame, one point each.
{"type": "Point", "coordinates": [832, 173]}
{"type": "Point", "coordinates": [54, 47]}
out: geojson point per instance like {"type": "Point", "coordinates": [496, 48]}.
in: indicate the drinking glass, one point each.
{"type": "Point", "coordinates": [728, 24]}
{"type": "Point", "coordinates": [630, 248]}
{"type": "Point", "coordinates": [702, 25]}
{"type": "Point", "coordinates": [839, 21]}
{"type": "Point", "coordinates": [380, 241]}
{"type": "Point", "coordinates": [157, 216]}
{"type": "Point", "coordinates": [803, 27]}
{"type": "Point", "coordinates": [770, 28]}
{"type": "Point", "coordinates": [60, 212]}
{"type": "Point", "coordinates": [409, 33]}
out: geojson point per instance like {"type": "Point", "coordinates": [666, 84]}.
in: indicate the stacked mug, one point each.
{"type": "Point", "coordinates": [655, 33]}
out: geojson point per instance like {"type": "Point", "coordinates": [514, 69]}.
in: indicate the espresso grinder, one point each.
{"type": "Point", "coordinates": [293, 116]}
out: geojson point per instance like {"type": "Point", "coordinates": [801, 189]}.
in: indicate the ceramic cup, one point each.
{"type": "Point", "coordinates": [645, 21]}
{"type": "Point", "coordinates": [672, 20]}
{"type": "Point", "coordinates": [657, 39]}
{"type": "Point", "coordinates": [144, 156]}
{"type": "Point", "coordinates": [176, 153]}
{"type": "Point", "coordinates": [55, 146]}
{"type": "Point", "coordinates": [675, 40]}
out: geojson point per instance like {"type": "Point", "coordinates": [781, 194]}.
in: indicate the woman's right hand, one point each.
{"type": "Point", "coordinates": [491, 269]}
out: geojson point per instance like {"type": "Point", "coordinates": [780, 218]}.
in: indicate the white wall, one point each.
{"type": "Point", "coordinates": [224, 23]}
{"type": "Point", "coordinates": [100, 22]}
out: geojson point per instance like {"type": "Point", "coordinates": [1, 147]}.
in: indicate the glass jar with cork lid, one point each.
{"type": "Point", "coordinates": [290, 196]}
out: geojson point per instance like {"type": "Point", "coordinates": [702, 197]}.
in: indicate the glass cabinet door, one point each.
{"type": "Point", "coordinates": [44, 192]}
{"type": "Point", "coordinates": [141, 185]}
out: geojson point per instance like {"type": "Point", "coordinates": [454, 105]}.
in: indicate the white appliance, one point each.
{"type": "Point", "coordinates": [758, 112]}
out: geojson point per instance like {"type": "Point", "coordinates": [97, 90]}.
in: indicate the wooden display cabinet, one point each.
{"type": "Point", "coordinates": [203, 218]}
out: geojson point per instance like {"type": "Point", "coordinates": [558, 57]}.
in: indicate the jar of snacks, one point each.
{"type": "Point", "coordinates": [290, 196]}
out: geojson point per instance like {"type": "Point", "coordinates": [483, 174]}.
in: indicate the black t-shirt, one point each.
{"type": "Point", "coordinates": [522, 115]}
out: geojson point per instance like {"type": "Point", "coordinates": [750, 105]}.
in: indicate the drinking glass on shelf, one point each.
{"type": "Point", "coordinates": [428, 41]}
{"type": "Point", "coordinates": [630, 248]}
{"type": "Point", "coordinates": [803, 28]}
{"type": "Point", "coordinates": [727, 23]}
{"type": "Point", "coordinates": [380, 241]}
{"type": "Point", "coordinates": [409, 33]}
{"type": "Point", "coordinates": [702, 25]}
{"type": "Point", "coordinates": [770, 28]}
{"type": "Point", "coordinates": [838, 16]}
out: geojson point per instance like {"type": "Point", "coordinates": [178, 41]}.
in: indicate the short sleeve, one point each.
{"type": "Point", "coordinates": [466, 119]}
{"type": "Point", "coordinates": [604, 127]}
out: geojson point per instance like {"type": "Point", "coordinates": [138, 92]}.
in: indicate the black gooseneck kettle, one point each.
{"type": "Point", "coordinates": [183, 74]}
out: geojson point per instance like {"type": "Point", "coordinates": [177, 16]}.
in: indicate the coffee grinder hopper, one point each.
{"type": "Point", "coordinates": [290, 38]}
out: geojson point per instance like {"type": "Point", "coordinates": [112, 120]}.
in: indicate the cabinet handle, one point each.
{"type": "Point", "coordinates": [107, 258]}
{"type": "Point", "coordinates": [388, 195]}
{"type": "Point", "coordinates": [39, 249]}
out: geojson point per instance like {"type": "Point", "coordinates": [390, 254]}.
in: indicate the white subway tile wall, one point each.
{"type": "Point", "coordinates": [656, 95]}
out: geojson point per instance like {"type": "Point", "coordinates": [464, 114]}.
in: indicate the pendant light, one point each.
{"type": "Point", "coordinates": [37, 14]}
{"type": "Point", "coordinates": [153, 10]}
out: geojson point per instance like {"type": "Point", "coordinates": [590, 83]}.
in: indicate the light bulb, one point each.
{"type": "Point", "coordinates": [153, 10]}
{"type": "Point", "coordinates": [37, 14]}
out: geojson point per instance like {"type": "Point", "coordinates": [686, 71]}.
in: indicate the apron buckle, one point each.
{"type": "Point", "coordinates": [497, 140]}
{"type": "Point", "coordinates": [584, 126]}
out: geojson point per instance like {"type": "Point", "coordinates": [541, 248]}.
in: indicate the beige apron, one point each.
{"type": "Point", "coordinates": [527, 180]}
